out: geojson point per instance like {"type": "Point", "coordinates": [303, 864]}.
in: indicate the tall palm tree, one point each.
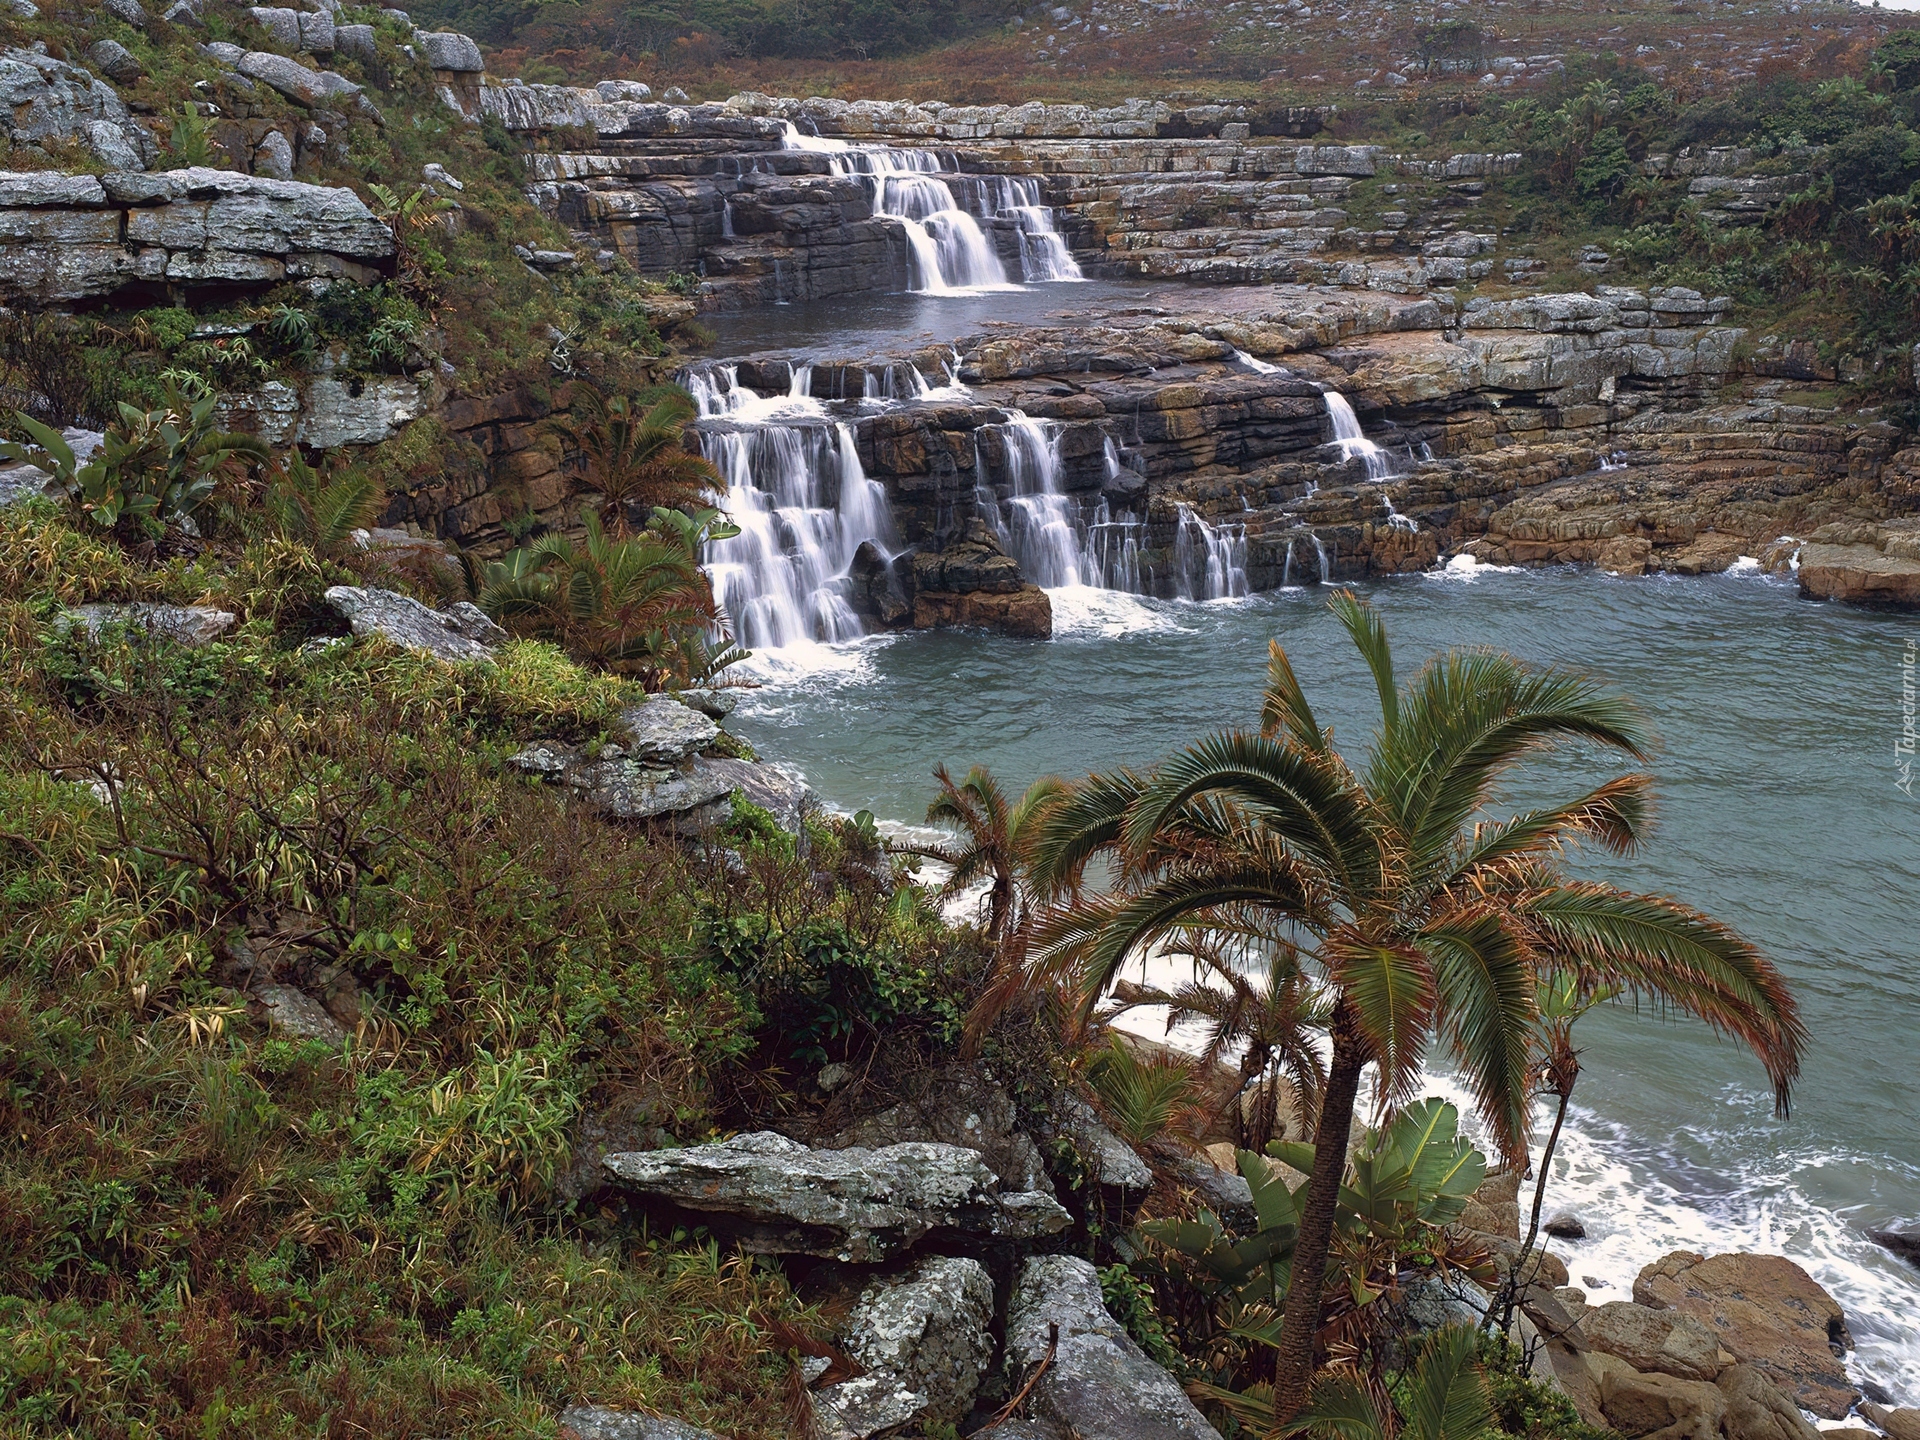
{"type": "Point", "coordinates": [1251, 994]}
{"type": "Point", "coordinates": [993, 840]}
{"type": "Point", "coordinates": [1424, 919]}
{"type": "Point", "coordinates": [635, 453]}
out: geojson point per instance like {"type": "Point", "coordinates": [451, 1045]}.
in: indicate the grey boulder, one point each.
{"type": "Point", "coordinates": [614, 91]}
{"type": "Point", "coordinates": [356, 42]}
{"type": "Point", "coordinates": [661, 728]}
{"type": "Point", "coordinates": [456, 634]}
{"type": "Point", "coordinates": [281, 24]}
{"type": "Point", "coordinates": [772, 789]}
{"type": "Point", "coordinates": [274, 157]}
{"type": "Point", "coordinates": [115, 61]}
{"type": "Point", "coordinates": [924, 1342]}
{"type": "Point", "coordinates": [450, 50]}
{"type": "Point", "coordinates": [127, 11]}
{"type": "Point", "coordinates": [852, 1205]}
{"type": "Point", "coordinates": [294, 80]}
{"type": "Point", "coordinates": [1099, 1386]}
{"type": "Point", "coordinates": [189, 625]}
{"type": "Point", "coordinates": [46, 99]}
{"type": "Point", "coordinates": [297, 1015]}
{"type": "Point", "coordinates": [597, 1422]}
{"type": "Point", "coordinates": [958, 1105]}
{"type": "Point", "coordinates": [1112, 1161]}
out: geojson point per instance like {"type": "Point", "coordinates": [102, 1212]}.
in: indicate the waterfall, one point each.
{"type": "Point", "coordinates": [1320, 552]}
{"type": "Point", "coordinates": [1353, 441]}
{"type": "Point", "coordinates": [1215, 555]}
{"type": "Point", "coordinates": [804, 504]}
{"type": "Point", "coordinates": [1261, 367]}
{"type": "Point", "coordinates": [1397, 521]}
{"type": "Point", "coordinates": [1041, 532]}
{"type": "Point", "coordinates": [948, 251]}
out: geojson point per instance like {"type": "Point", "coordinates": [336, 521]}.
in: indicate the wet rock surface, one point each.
{"type": "Point", "coordinates": [855, 1204]}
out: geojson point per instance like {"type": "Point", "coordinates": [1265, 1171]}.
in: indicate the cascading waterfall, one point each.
{"type": "Point", "coordinates": [1353, 441]}
{"type": "Point", "coordinates": [1217, 553]}
{"type": "Point", "coordinates": [802, 502]}
{"type": "Point", "coordinates": [949, 252]}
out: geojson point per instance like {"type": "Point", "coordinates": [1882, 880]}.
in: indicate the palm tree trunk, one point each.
{"type": "Point", "coordinates": [1293, 1358]}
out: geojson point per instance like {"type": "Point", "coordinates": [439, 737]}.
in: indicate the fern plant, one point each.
{"type": "Point", "coordinates": [321, 506]}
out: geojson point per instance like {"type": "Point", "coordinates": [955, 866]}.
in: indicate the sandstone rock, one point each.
{"type": "Point", "coordinates": [1859, 575]}
{"type": "Point", "coordinates": [1660, 1340]}
{"type": "Point", "coordinates": [115, 61]}
{"type": "Point", "coordinates": [661, 728]}
{"type": "Point", "coordinates": [1758, 1410]}
{"type": "Point", "coordinates": [597, 1422]}
{"type": "Point", "coordinates": [296, 1014]}
{"type": "Point", "coordinates": [958, 1105]}
{"type": "Point", "coordinates": [1637, 1404]}
{"type": "Point", "coordinates": [1764, 1310]}
{"type": "Point", "coordinates": [1099, 1385]}
{"type": "Point", "coordinates": [1901, 1424]}
{"type": "Point", "coordinates": [855, 1205]}
{"type": "Point", "coordinates": [1543, 1266]}
{"type": "Point", "coordinates": [450, 50]}
{"type": "Point", "coordinates": [772, 789]}
{"type": "Point", "coordinates": [446, 635]}
{"type": "Point", "coordinates": [1565, 1226]}
{"type": "Point", "coordinates": [189, 625]}
{"type": "Point", "coordinates": [924, 1341]}
{"type": "Point", "coordinates": [1499, 1218]}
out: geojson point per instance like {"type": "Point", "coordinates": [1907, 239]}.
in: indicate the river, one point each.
{"type": "Point", "coordinates": [1779, 813]}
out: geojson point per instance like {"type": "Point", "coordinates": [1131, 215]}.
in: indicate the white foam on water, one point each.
{"type": "Point", "coordinates": [1745, 565]}
{"type": "Point", "coordinates": [786, 666]}
{"type": "Point", "coordinates": [1465, 569]}
{"type": "Point", "coordinates": [1087, 613]}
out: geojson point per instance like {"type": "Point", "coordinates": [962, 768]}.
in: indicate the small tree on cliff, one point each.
{"type": "Point", "coordinates": [1423, 918]}
{"type": "Point", "coordinates": [634, 451]}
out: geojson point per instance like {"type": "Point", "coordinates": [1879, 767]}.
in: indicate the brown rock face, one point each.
{"type": "Point", "coordinates": [1663, 1405]}
{"type": "Point", "coordinates": [1901, 1424]}
{"type": "Point", "coordinates": [1026, 613]}
{"type": "Point", "coordinates": [1766, 1311]}
{"type": "Point", "coordinates": [1660, 1340]}
{"type": "Point", "coordinates": [1757, 1409]}
{"type": "Point", "coordinates": [1859, 575]}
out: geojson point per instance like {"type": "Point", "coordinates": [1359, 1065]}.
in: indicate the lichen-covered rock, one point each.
{"type": "Point", "coordinates": [924, 1342]}
{"type": "Point", "coordinates": [273, 157]}
{"type": "Point", "coordinates": [128, 11]}
{"type": "Point", "coordinates": [294, 1013]}
{"type": "Point", "coordinates": [445, 635]}
{"type": "Point", "coordinates": [189, 625]}
{"type": "Point", "coordinates": [296, 81]}
{"type": "Point", "coordinates": [1099, 1386]}
{"type": "Point", "coordinates": [957, 1105]}
{"type": "Point", "coordinates": [767, 786]}
{"type": "Point", "coordinates": [356, 42]}
{"type": "Point", "coordinates": [46, 99]}
{"type": "Point", "coordinates": [1108, 1158]}
{"type": "Point", "coordinates": [662, 728]}
{"type": "Point", "coordinates": [598, 1422]}
{"type": "Point", "coordinates": [1764, 1310]}
{"type": "Point", "coordinates": [854, 1205]}
{"type": "Point", "coordinates": [281, 23]}
{"type": "Point", "coordinates": [115, 61]}
{"type": "Point", "coordinates": [1662, 1340]}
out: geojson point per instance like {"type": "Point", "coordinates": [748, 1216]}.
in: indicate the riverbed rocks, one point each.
{"type": "Point", "coordinates": [854, 1205]}
{"type": "Point", "coordinates": [1766, 1312]}
{"type": "Point", "coordinates": [1097, 1382]}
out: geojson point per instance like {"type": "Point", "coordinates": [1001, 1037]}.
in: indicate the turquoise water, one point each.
{"type": "Point", "coordinates": [1779, 813]}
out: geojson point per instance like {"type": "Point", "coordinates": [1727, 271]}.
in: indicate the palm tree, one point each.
{"type": "Point", "coordinates": [1272, 1013]}
{"type": "Point", "coordinates": [1423, 918]}
{"type": "Point", "coordinates": [635, 454]}
{"type": "Point", "coordinates": [992, 842]}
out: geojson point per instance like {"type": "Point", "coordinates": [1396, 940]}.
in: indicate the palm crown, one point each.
{"type": "Point", "coordinates": [1423, 918]}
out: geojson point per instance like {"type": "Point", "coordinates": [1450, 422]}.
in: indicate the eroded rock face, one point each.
{"type": "Point", "coordinates": [1860, 575]}
{"type": "Point", "coordinates": [1637, 1404]}
{"type": "Point", "coordinates": [1757, 1409]}
{"type": "Point", "coordinates": [854, 1205]}
{"type": "Point", "coordinates": [1766, 1311]}
{"type": "Point", "coordinates": [46, 99]}
{"type": "Point", "coordinates": [459, 633]}
{"type": "Point", "coordinates": [958, 1106]}
{"type": "Point", "coordinates": [1099, 1385]}
{"type": "Point", "coordinates": [924, 1342]}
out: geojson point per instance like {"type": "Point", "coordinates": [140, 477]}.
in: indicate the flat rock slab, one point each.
{"type": "Point", "coordinates": [1666, 1341]}
{"type": "Point", "coordinates": [853, 1205]}
{"type": "Point", "coordinates": [459, 633]}
{"type": "Point", "coordinates": [1859, 575]}
{"type": "Point", "coordinates": [661, 728]}
{"type": "Point", "coordinates": [189, 625]}
{"type": "Point", "coordinates": [773, 790]}
{"type": "Point", "coordinates": [1100, 1385]}
{"type": "Point", "coordinates": [597, 1422]}
{"type": "Point", "coordinates": [1766, 1311]}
